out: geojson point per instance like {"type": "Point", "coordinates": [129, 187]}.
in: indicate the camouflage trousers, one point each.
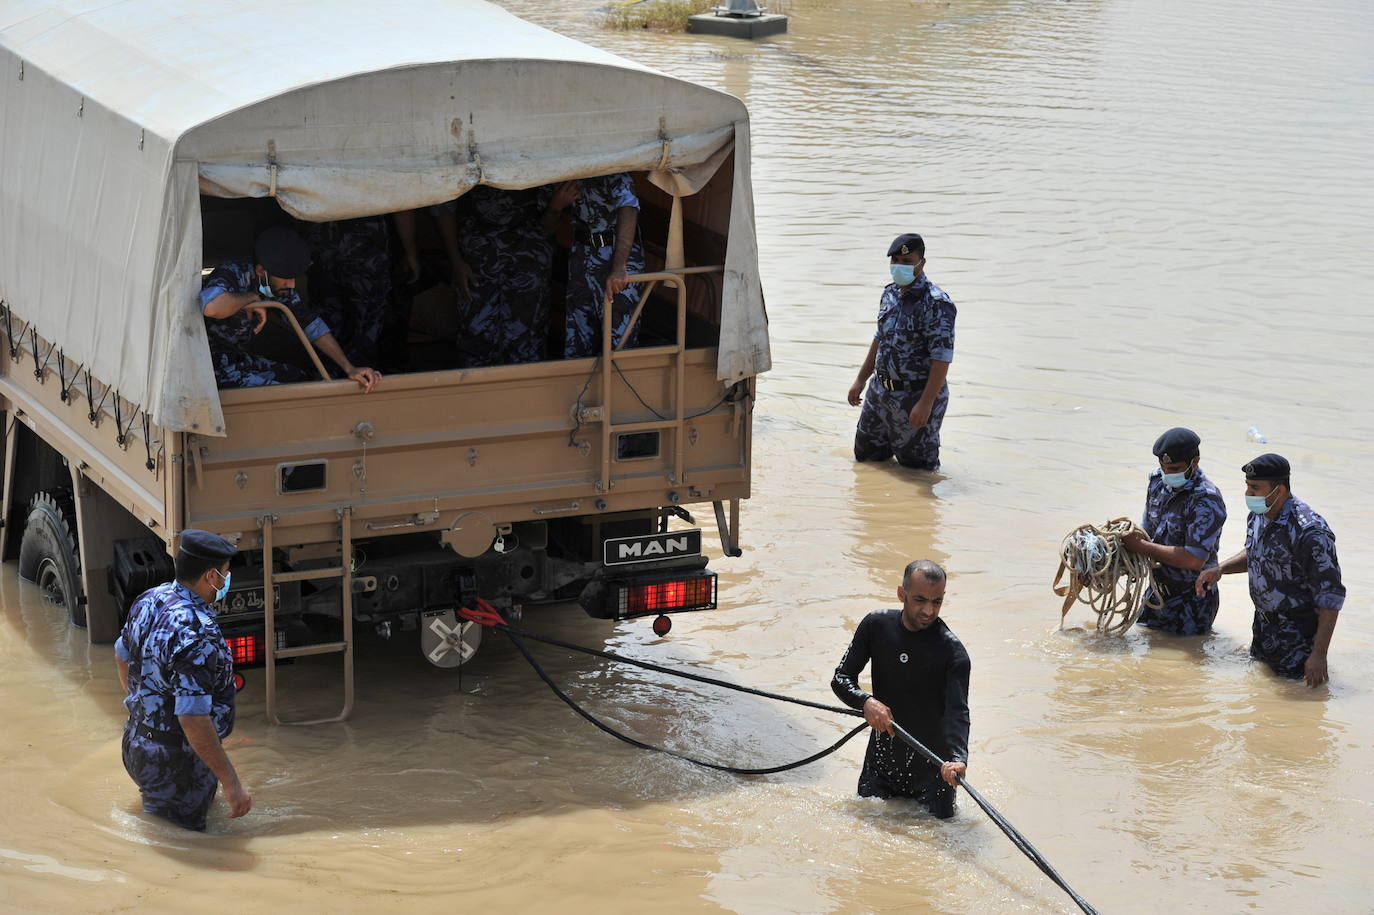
{"type": "Point", "coordinates": [884, 428]}
{"type": "Point", "coordinates": [355, 269]}
{"type": "Point", "coordinates": [893, 769]}
{"type": "Point", "coordinates": [588, 269]}
{"type": "Point", "coordinates": [1183, 613]}
{"type": "Point", "coordinates": [176, 785]}
{"type": "Point", "coordinates": [508, 312]}
{"type": "Point", "coordinates": [1283, 642]}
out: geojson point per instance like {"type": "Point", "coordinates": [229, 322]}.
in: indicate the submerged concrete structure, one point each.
{"type": "Point", "coordinates": [738, 19]}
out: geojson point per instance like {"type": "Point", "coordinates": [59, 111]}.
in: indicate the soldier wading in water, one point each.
{"type": "Point", "coordinates": [179, 675]}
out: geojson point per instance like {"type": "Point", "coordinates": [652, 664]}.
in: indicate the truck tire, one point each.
{"type": "Point", "coordinates": [48, 554]}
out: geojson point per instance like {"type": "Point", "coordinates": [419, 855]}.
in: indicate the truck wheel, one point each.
{"type": "Point", "coordinates": [48, 554]}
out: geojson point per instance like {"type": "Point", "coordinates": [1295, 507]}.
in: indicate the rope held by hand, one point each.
{"type": "Point", "coordinates": [1105, 575]}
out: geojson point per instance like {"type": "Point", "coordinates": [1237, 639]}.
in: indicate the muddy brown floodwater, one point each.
{"type": "Point", "coordinates": [1149, 213]}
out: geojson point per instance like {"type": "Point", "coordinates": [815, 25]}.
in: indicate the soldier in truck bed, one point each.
{"type": "Point", "coordinates": [231, 298]}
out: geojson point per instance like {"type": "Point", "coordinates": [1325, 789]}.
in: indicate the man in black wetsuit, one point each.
{"type": "Point", "coordinates": [921, 672]}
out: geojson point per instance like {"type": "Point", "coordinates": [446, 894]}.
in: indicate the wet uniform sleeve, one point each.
{"type": "Point", "coordinates": [1145, 515]}
{"type": "Point", "coordinates": [1203, 533]}
{"type": "Point", "coordinates": [126, 646]}
{"type": "Point", "coordinates": [886, 302]}
{"type": "Point", "coordinates": [845, 683]}
{"type": "Point", "coordinates": [622, 193]}
{"type": "Point", "coordinates": [220, 281]}
{"type": "Point", "coordinates": [315, 329]}
{"type": "Point", "coordinates": [192, 680]}
{"type": "Point", "coordinates": [1317, 555]}
{"type": "Point", "coordinates": [941, 330]}
{"type": "Point", "coordinates": [956, 705]}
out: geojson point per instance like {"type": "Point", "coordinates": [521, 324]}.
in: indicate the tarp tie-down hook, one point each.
{"type": "Point", "coordinates": [90, 399]}
{"type": "Point", "coordinates": [9, 331]}
{"type": "Point", "coordinates": [40, 369]}
{"type": "Point", "coordinates": [148, 442]}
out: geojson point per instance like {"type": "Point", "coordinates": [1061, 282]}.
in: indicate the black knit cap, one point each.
{"type": "Point", "coordinates": [910, 243]}
{"type": "Point", "coordinates": [205, 545]}
{"type": "Point", "coordinates": [1267, 467]}
{"type": "Point", "coordinates": [282, 253]}
{"type": "Point", "coordinates": [1178, 444]}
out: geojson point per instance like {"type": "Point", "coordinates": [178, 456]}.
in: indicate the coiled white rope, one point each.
{"type": "Point", "coordinates": [1105, 575]}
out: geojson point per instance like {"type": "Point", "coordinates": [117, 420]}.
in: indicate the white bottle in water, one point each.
{"type": "Point", "coordinates": [1255, 435]}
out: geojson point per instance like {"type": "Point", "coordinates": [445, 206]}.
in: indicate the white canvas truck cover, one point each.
{"type": "Point", "coordinates": [116, 114]}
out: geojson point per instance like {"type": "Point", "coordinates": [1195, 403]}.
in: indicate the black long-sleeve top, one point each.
{"type": "Point", "coordinates": [922, 676]}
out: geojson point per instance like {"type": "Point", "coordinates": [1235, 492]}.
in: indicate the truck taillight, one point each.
{"type": "Point", "coordinates": [692, 591]}
{"type": "Point", "coordinates": [245, 649]}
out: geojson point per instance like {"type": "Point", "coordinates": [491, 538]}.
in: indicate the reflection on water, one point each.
{"type": "Point", "coordinates": [1148, 215]}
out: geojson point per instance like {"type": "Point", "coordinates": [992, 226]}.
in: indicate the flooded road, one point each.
{"type": "Point", "coordinates": [1149, 214]}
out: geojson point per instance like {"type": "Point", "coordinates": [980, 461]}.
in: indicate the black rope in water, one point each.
{"type": "Point", "coordinates": [518, 636]}
{"type": "Point", "coordinates": [719, 767]}
{"type": "Point", "coordinates": [1011, 831]}
{"type": "Point", "coordinates": [686, 675]}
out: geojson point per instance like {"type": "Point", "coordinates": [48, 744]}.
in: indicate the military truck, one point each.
{"type": "Point", "coordinates": [138, 150]}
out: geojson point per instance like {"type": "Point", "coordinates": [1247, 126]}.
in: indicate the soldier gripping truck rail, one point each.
{"type": "Point", "coordinates": [130, 179]}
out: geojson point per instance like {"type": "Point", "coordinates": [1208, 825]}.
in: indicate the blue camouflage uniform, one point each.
{"type": "Point", "coordinates": [235, 367]}
{"type": "Point", "coordinates": [1293, 573]}
{"type": "Point", "coordinates": [595, 215]}
{"type": "Point", "coordinates": [354, 263]}
{"type": "Point", "coordinates": [915, 328]}
{"type": "Point", "coordinates": [504, 243]}
{"type": "Point", "coordinates": [179, 664]}
{"type": "Point", "coordinates": [1191, 517]}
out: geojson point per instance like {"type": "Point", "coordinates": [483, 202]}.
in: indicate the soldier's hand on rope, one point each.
{"type": "Point", "coordinates": [1207, 578]}
{"type": "Point", "coordinates": [1133, 540]}
{"type": "Point", "coordinates": [920, 414]}
{"type": "Point", "coordinates": [878, 716]}
{"type": "Point", "coordinates": [856, 393]}
{"type": "Point", "coordinates": [951, 771]}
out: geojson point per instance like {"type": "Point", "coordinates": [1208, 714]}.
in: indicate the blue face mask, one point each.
{"type": "Point", "coordinates": [223, 589]}
{"type": "Point", "coordinates": [902, 274]}
{"type": "Point", "coordinates": [1257, 504]}
{"type": "Point", "coordinates": [1174, 480]}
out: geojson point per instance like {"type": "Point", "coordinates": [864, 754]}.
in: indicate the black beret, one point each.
{"type": "Point", "coordinates": [205, 545]}
{"type": "Point", "coordinates": [1267, 467]}
{"type": "Point", "coordinates": [282, 253]}
{"type": "Point", "coordinates": [1178, 444]}
{"type": "Point", "coordinates": [910, 243]}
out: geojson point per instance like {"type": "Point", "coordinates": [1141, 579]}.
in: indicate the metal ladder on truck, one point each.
{"type": "Point", "coordinates": [674, 274]}
{"type": "Point", "coordinates": [344, 572]}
